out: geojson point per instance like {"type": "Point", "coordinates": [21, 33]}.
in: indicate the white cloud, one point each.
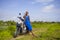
{"type": "Point", "coordinates": [13, 18]}
{"type": "Point", "coordinates": [48, 8]}
{"type": "Point", "coordinates": [33, 2]}
{"type": "Point", "coordinates": [42, 1]}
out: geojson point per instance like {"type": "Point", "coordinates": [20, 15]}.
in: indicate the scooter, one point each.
{"type": "Point", "coordinates": [22, 29]}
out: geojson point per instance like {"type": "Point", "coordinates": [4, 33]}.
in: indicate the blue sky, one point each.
{"type": "Point", "coordinates": [39, 10]}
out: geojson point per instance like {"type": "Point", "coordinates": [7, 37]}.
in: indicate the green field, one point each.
{"type": "Point", "coordinates": [44, 31]}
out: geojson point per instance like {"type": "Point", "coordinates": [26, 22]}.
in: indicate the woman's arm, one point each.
{"type": "Point", "coordinates": [29, 19]}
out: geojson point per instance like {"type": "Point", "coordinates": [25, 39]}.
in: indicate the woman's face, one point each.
{"type": "Point", "coordinates": [26, 13]}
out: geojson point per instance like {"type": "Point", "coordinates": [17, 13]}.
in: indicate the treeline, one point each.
{"type": "Point", "coordinates": [5, 23]}
{"type": "Point", "coordinates": [13, 22]}
{"type": "Point", "coordinates": [42, 22]}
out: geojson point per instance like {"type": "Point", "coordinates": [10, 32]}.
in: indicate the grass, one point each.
{"type": "Point", "coordinates": [44, 31]}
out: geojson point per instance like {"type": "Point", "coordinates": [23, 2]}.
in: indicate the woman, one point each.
{"type": "Point", "coordinates": [27, 23]}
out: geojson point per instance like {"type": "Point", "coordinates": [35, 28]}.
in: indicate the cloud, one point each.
{"type": "Point", "coordinates": [42, 1]}
{"type": "Point", "coordinates": [48, 8]}
{"type": "Point", "coordinates": [13, 18]}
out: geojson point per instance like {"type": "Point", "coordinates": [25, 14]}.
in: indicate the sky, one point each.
{"type": "Point", "coordinates": [39, 10]}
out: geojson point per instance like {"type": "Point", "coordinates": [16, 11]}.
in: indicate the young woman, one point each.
{"type": "Point", "coordinates": [27, 23]}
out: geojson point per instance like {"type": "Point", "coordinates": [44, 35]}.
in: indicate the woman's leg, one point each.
{"type": "Point", "coordinates": [30, 32]}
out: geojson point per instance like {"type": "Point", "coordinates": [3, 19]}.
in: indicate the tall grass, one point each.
{"type": "Point", "coordinates": [45, 31]}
